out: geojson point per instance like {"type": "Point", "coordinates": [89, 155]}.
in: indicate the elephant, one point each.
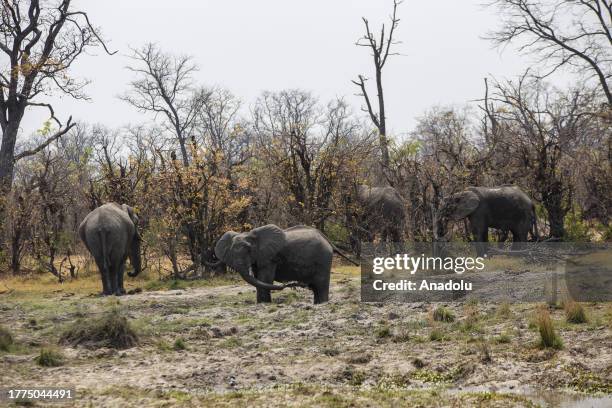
{"type": "Point", "coordinates": [381, 212]}
{"type": "Point", "coordinates": [301, 255]}
{"type": "Point", "coordinates": [110, 233]}
{"type": "Point", "coordinates": [506, 208]}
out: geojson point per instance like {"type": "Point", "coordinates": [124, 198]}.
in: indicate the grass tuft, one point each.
{"type": "Point", "coordinates": [436, 335]}
{"type": "Point", "coordinates": [442, 314]}
{"type": "Point", "coordinates": [548, 336]}
{"type": "Point", "coordinates": [574, 313]}
{"type": "Point", "coordinates": [504, 311]}
{"type": "Point", "coordinates": [111, 330]}
{"type": "Point", "coordinates": [49, 357]}
{"type": "Point", "coordinates": [179, 344]}
{"type": "Point", "coordinates": [503, 338]}
{"type": "Point", "coordinates": [6, 339]}
{"type": "Point", "coordinates": [383, 332]}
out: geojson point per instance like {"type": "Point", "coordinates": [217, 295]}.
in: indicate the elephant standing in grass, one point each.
{"type": "Point", "coordinates": [110, 233]}
{"type": "Point", "coordinates": [381, 212]}
{"type": "Point", "coordinates": [299, 254]}
{"type": "Point", "coordinates": [506, 208]}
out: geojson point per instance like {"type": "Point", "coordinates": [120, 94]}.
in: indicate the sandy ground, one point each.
{"type": "Point", "coordinates": [291, 352]}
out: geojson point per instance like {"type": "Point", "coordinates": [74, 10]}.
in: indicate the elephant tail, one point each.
{"type": "Point", "coordinates": [105, 252]}
{"type": "Point", "coordinates": [337, 251]}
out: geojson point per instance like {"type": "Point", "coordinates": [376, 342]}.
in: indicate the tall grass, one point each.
{"type": "Point", "coordinates": [548, 336]}
{"type": "Point", "coordinates": [574, 313]}
{"type": "Point", "coordinates": [442, 314]}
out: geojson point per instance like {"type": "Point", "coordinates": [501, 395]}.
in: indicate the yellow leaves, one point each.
{"type": "Point", "coordinates": [46, 128]}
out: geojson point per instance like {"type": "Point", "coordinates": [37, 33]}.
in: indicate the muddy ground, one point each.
{"type": "Point", "coordinates": [291, 352]}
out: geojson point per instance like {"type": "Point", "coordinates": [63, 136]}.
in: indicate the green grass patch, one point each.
{"type": "Point", "coordinates": [383, 331]}
{"type": "Point", "coordinates": [6, 339]}
{"type": "Point", "coordinates": [179, 344]}
{"type": "Point", "coordinates": [49, 357]}
{"type": "Point", "coordinates": [442, 314]}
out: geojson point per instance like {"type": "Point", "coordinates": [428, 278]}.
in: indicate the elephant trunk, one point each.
{"type": "Point", "coordinates": [135, 258]}
{"type": "Point", "coordinates": [249, 277]}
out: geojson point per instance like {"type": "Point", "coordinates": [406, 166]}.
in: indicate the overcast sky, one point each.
{"type": "Point", "coordinates": [249, 46]}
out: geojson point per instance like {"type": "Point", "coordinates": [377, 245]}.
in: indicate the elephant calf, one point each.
{"type": "Point", "coordinates": [267, 254]}
{"type": "Point", "coordinates": [110, 233]}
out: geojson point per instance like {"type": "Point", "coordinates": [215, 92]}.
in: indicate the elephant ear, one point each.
{"type": "Point", "coordinates": [131, 213]}
{"type": "Point", "coordinates": [268, 241]}
{"type": "Point", "coordinates": [223, 245]}
{"type": "Point", "coordinates": [464, 204]}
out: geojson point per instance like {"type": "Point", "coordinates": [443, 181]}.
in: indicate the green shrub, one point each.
{"type": "Point", "coordinates": [574, 313]}
{"type": "Point", "coordinates": [6, 339]}
{"type": "Point", "coordinates": [383, 331]}
{"type": "Point", "coordinates": [548, 336]}
{"type": "Point", "coordinates": [576, 229]}
{"type": "Point", "coordinates": [49, 357]}
{"type": "Point", "coordinates": [179, 344]}
{"type": "Point", "coordinates": [442, 314]}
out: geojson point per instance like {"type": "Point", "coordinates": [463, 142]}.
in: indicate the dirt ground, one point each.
{"type": "Point", "coordinates": [234, 352]}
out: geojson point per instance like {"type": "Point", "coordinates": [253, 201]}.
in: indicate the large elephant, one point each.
{"type": "Point", "coordinates": [110, 233]}
{"type": "Point", "coordinates": [266, 254]}
{"type": "Point", "coordinates": [506, 208]}
{"type": "Point", "coordinates": [380, 212]}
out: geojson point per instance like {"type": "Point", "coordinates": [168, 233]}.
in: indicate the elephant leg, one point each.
{"type": "Point", "coordinates": [481, 235]}
{"type": "Point", "coordinates": [519, 235]}
{"type": "Point", "coordinates": [266, 275]}
{"type": "Point", "coordinates": [396, 236]}
{"type": "Point", "coordinates": [263, 296]}
{"type": "Point", "coordinates": [320, 292]}
{"type": "Point", "coordinates": [120, 288]}
{"type": "Point", "coordinates": [105, 276]}
{"type": "Point", "coordinates": [114, 275]}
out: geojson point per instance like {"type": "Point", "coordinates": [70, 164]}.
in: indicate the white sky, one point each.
{"type": "Point", "coordinates": [249, 46]}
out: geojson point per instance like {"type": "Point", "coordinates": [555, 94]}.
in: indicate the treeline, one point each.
{"type": "Point", "coordinates": [297, 160]}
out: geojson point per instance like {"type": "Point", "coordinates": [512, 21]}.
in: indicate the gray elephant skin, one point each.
{"type": "Point", "coordinates": [381, 212]}
{"type": "Point", "coordinates": [267, 254]}
{"type": "Point", "coordinates": [110, 233]}
{"type": "Point", "coordinates": [506, 208]}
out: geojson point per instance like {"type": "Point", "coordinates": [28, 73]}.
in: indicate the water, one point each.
{"type": "Point", "coordinates": [548, 398]}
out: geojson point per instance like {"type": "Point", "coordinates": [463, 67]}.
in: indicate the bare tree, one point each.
{"type": "Point", "coordinates": [41, 43]}
{"type": "Point", "coordinates": [381, 48]}
{"type": "Point", "coordinates": [561, 33]}
{"type": "Point", "coordinates": [164, 85]}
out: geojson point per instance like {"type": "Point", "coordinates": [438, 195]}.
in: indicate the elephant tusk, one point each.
{"type": "Point", "coordinates": [251, 271]}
